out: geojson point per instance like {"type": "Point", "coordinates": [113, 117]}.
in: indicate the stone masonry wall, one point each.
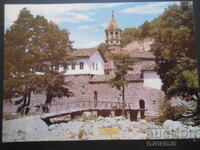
{"type": "Point", "coordinates": [133, 93]}
{"type": "Point", "coordinates": [84, 91]}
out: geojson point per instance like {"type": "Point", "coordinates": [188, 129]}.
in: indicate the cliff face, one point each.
{"type": "Point", "coordinates": [139, 45]}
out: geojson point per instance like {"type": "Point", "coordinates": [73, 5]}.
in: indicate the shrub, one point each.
{"type": "Point", "coordinates": [169, 112]}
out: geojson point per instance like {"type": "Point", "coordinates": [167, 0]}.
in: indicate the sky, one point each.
{"type": "Point", "coordinates": [87, 22]}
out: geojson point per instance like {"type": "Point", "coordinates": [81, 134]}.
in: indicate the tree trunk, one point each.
{"type": "Point", "coordinates": [24, 107]}
{"type": "Point", "coordinates": [49, 97]}
{"type": "Point", "coordinates": [123, 98]}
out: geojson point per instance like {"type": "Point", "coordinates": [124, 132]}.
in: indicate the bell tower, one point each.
{"type": "Point", "coordinates": [113, 35]}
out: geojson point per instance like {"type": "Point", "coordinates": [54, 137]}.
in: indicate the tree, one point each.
{"type": "Point", "coordinates": [123, 64]}
{"type": "Point", "coordinates": [56, 54]}
{"type": "Point", "coordinates": [17, 67]}
{"type": "Point", "coordinates": [144, 29]}
{"type": "Point", "coordinates": [103, 48]}
{"type": "Point", "coordinates": [175, 52]}
{"type": "Point", "coordinates": [32, 45]}
{"type": "Point", "coordinates": [128, 35]}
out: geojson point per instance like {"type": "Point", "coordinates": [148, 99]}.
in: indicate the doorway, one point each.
{"type": "Point", "coordinates": [142, 106]}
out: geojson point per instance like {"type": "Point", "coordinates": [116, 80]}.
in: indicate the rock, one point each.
{"type": "Point", "coordinates": [86, 115]}
{"type": "Point", "coordinates": [100, 118]}
{"type": "Point", "coordinates": [173, 125]}
{"type": "Point", "coordinates": [51, 127]}
{"type": "Point", "coordinates": [119, 118]}
{"type": "Point", "coordinates": [123, 125]}
{"type": "Point", "coordinates": [142, 122]}
{"type": "Point", "coordinates": [105, 125]}
{"type": "Point", "coordinates": [188, 123]}
{"type": "Point", "coordinates": [194, 128]}
{"type": "Point", "coordinates": [134, 124]}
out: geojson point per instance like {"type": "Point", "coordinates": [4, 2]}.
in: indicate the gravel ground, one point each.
{"type": "Point", "coordinates": [32, 128]}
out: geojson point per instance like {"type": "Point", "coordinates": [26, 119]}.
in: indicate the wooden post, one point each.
{"type": "Point", "coordinates": [72, 116]}
{"type": "Point", "coordinates": [133, 115]}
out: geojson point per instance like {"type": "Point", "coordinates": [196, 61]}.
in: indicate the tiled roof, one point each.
{"type": "Point", "coordinates": [87, 52]}
{"type": "Point", "coordinates": [113, 25]}
{"type": "Point", "coordinates": [148, 65]}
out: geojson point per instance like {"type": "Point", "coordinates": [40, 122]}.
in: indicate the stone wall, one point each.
{"type": "Point", "coordinates": [83, 90]}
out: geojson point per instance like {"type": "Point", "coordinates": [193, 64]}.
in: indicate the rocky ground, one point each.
{"type": "Point", "coordinates": [86, 127]}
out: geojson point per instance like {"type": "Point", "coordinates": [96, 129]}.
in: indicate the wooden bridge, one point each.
{"type": "Point", "coordinates": [63, 112]}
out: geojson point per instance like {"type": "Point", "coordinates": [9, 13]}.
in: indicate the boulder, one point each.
{"type": "Point", "coordinates": [86, 115]}
{"type": "Point", "coordinates": [51, 127]}
{"type": "Point", "coordinates": [134, 124]}
{"type": "Point", "coordinates": [100, 118]}
{"type": "Point", "coordinates": [173, 125]}
{"type": "Point", "coordinates": [118, 118]}
{"type": "Point", "coordinates": [194, 128]}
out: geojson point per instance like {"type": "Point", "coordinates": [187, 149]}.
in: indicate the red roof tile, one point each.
{"type": "Point", "coordinates": [87, 52]}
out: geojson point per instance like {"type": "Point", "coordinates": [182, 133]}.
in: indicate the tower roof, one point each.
{"type": "Point", "coordinates": [113, 25]}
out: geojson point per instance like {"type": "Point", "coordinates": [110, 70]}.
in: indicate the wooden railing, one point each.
{"type": "Point", "coordinates": [85, 105]}
{"type": "Point", "coordinates": [74, 108]}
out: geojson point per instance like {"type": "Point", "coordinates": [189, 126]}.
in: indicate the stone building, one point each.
{"type": "Point", "coordinates": [113, 35]}
{"type": "Point", "coordinates": [144, 85]}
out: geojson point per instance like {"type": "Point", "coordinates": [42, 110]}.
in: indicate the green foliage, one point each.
{"type": "Point", "coordinates": [144, 29]}
{"type": "Point", "coordinates": [128, 35]}
{"type": "Point", "coordinates": [175, 51]}
{"type": "Point", "coordinates": [102, 49]}
{"type": "Point", "coordinates": [123, 64]}
{"type": "Point", "coordinates": [169, 112]}
{"type": "Point", "coordinates": [32, 44]}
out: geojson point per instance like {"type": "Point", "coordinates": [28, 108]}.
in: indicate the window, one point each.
{"type": "Point", "coordinates": [154, 102]}
{"type": "Point", "coordinates": [96, 66]}
{"type": "Point", "coordinates": [93, 66]}
{"type": "Point", "coordinates": [73, 66]}
{"type": "Point", "coordinates": [83, 90]}
{"type": "Point", "coordinates": [81, 65]}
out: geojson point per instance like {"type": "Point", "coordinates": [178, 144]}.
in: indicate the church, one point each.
{"type": "Point", "coordinates": [90, 62]}
{"type": "Point", "coordinates": [90, 72]}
